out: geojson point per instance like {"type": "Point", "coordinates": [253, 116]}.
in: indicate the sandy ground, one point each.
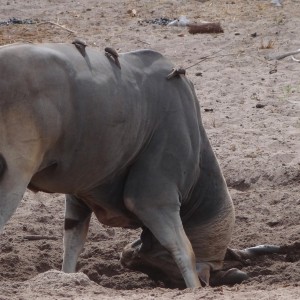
{"type": "Point", "coordinates": [253, 122]}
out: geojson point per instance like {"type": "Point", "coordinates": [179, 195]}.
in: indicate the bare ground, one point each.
{"type": "Point", "coordinates": [250, 108]}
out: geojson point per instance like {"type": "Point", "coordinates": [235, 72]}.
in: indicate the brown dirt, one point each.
{"type": "Point", "coordinates": [250, 109]}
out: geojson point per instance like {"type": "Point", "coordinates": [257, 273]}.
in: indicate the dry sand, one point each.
{"type": "Point", "coordinates": [254, 127]}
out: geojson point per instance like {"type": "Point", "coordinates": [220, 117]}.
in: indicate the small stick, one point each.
{"type": "Point", "coordinates": [39, 237]}
{"type": "Point", "coordinates": [281, 56]}
{"type": "Point", "coordinates": [143, 42]}
{"type": "Point", "coordinates": [56, 24]}
{"type": "Point", "coordinates": [205, 58]}
{"type": "Point", "coordinates": [295, 59]}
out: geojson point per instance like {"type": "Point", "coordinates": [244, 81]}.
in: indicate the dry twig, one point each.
{"type": "Point", "coordinates": [144, 42]}
{"type": "Point", "coordinates": [39, 237]}
{"type": "Point", "coordinates": [58, 25]}
{"type": "Point", "coordinates": [281, 56]}
{"type": "Point", "coordinates": [295, 59]}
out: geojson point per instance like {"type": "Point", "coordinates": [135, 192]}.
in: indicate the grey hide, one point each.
{"type": "Point", "coordinates": [121, 141]}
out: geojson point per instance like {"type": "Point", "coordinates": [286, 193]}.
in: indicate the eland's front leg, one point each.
{"type": "Point", "coordinates": [77, 220]}
{"type": "Point", "coordinates": [160, 213]}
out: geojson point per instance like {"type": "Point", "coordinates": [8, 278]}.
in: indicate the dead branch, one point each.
{"type": "Point", "coordinates": [281, 56]}
{"type": "Point", "coordinates": [205, 28]}
{"type": "Point", "coordinates": [39, 237]}
{"type": "Point", "coordinates": [58, 25]}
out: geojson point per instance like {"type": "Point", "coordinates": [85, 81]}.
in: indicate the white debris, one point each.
{"type": "Point", "coordinates": [182, 21]}
{"type": "Point", "coordinates": [276, 2]}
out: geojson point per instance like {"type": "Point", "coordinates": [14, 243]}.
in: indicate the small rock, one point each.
{"type": "Point", "coordinates": [132, 12]}
{"type": "Point", "coordinates": [260, 105]}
